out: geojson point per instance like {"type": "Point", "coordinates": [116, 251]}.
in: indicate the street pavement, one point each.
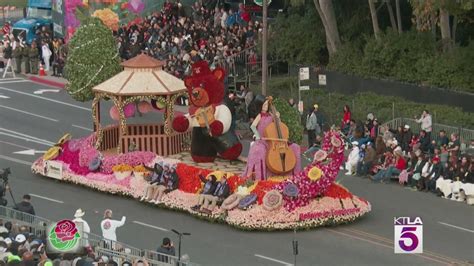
{"type": "Point", "coordinates": [35, 121]}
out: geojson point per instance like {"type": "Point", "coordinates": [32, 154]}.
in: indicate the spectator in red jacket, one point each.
{"type": "Point", "coordinates": [400, 165]}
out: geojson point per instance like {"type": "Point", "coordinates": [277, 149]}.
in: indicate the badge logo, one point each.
{"type": "Point", "coordinates": [408, 237]}
{"type": "Point", "coordinates": [64, 236]}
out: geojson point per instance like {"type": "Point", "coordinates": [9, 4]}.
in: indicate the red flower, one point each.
{"type": "Point", "coordinates": [189, 177]}
{"type": "Point", "coordinates": [336, 191]}
{"type": "Point", "coordinates": [262, 188]}
{"type": "Point", "coordinates": [234, 182]}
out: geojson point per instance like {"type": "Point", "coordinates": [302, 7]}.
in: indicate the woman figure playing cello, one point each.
{"type": "Point", "coordinates": [256, 161]}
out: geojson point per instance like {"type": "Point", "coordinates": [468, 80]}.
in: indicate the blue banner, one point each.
{"type": "Point", "coordinates": [40, 3]}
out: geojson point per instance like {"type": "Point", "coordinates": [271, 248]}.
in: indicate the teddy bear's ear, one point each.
{"type": "Point", "coordinates": [188, 82]}
{"type": "Point", "coordinates": [219, 73]}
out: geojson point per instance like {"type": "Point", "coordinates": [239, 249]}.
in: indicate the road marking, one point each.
{"type": "Point", "coordinates": [457, 227]}
{"type": "Point", "coordinates": [85, 128]}
{"type": "Point", "coordinates": [15, 160]}
{"type": "Point", "coordinates": [46, 99]}
{"type": "Point", "coordinates": [43, 91]}
{"type": "Point", "coordinates": [29, 152]}
{"type": "Point", "coordinates": [31, 138]}
{"type": "Point", "coordinates": [4, 97]}
{"type": "Point", "coordinates": [28, 113]}
{"type": "Point", "coordinates": [151, 226]}
{"type": "Point", "coordinates": [46, 198]}
{"type": "Point", "coordinates": [13, 144]}
{"type": "Point", "coordinates": [272, 259]}
{"type": "Point", "coordinates": [26, 139]}
{"type": "Point", "coordinates": [14, 81]}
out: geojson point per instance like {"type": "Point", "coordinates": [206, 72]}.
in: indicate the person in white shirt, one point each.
{"type": "Point", "coordinates": [85, 226]}
{"type": "Point", "coordinates": [46, 53]}
{"type": "Point", "coordinates": [109, 226]}
{"type": "Point", "coordinates": [353, 158]}
{"type": "Point", "coordinates": [425, 121]}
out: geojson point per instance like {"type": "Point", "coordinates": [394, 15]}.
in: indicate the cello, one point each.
{"type": "Point", "coordinates": [280, 158]}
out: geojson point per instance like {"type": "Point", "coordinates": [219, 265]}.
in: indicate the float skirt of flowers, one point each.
{"type": "Point", "coordinates": [330, 206]}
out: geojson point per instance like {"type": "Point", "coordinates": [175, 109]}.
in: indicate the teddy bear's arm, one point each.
{"type": "Point", "coordinates": [223, 115]}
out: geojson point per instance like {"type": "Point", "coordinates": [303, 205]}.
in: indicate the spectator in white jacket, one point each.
{"type": "Point", "coordinates": [353, 158]}
{"type": "Point", "coordinates": [109, 226]}
{"type": "Point", "coordinates": [46, 53]}
{"type": "Point", "coordinates": [85, 226]}
{"type": "Point", "coordinates": [426, 122]}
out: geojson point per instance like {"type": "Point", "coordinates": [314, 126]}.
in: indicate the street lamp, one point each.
{"type": "Point", "coordinates": [179, 241]}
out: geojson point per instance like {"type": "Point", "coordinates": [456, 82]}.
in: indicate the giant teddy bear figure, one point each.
{"type": "Point", "coordinates": [209, 119]}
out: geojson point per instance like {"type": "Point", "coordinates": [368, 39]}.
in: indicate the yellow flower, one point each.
{"type": "Point", "coordinates": [314, 174]}
{"type": "Point", "coordinates": [140, 168]}
{"type": "Point", "coordinates": [108, 17]}
{"type": "Point", "coordinates": [122, 168]}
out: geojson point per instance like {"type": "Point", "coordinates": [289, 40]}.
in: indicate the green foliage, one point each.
{"type": "Point", "coordinates": [297, 37]}
{"type": "Point", "coordinates": [93, 58]}
{"type": "Point", "coordinates": [291, 118]}
{"type": "Point", "coordinates": [411, 57]}
{"type": "Point", "coordinates": [331, 105]}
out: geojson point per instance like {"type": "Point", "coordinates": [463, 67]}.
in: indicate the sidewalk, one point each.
{"type": "Point", "coordinates": [48, 80]}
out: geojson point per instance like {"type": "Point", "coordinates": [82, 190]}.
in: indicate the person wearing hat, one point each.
{"type": "Point", "coordinates": [109, 226]}
{"type": "Point", "coordinates": [432, 177]}
{"type": "Point", "coordinates": [85, 226]}
{"type": "Point", "coordinates": [353, 158]}
{"type": "Point", "coordinates": [396, 169]}
{"type": "Point", "coordinates": [4, 253]}
{"type": "Point", "coordinates": [406, 139]}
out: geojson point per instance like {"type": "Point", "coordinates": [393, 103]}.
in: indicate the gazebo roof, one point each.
{"type": "Point", "coordinates": [142, 75]}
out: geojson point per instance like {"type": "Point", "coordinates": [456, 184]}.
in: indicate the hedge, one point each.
{"type": "Point", "coordinates": [331, 104]}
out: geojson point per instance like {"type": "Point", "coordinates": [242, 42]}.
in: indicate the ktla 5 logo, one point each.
{"type": "Point", "coordinates": [408, 236]}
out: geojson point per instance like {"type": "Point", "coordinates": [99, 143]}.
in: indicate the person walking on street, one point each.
{"type": "Point", "coordinates": [25, 205]}
{"type": "Point", "coordinates": [33, 55]}
{"type": "Point", "coordinates": [85, 226]}
{"type": "Point", "coordinates": [109, 226]}
{"type": "Point", "coordinates": [311, 127]}
{"type": "Point", "coordinates": [46, 53]}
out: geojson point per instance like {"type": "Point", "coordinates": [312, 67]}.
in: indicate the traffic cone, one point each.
{"type": "Point", "coordinates": [42, 72]}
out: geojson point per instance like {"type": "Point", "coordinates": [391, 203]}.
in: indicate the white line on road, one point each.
{"type": "Point", "coordinates": [272, 259]}
{"type": "Point", "coordinates": [46, 99]}
{"type": "Point", "coordinates": [13, 144]}
{"type": "Point", "coordinates": [32, 138]}
{"type": "Point", "coordinates": [151, 226]}
{"type": "Point", "coordinates": [46, 198]}
{"type": "Point", "coordinates": [11, 159]}
{"type": "Point", "coordinates": [28, 113]}
{"type": "Point", "coordinates": [457, 227]}
{"type": "Point", "coordinates": [85, 128]}
{"type": "Point", "coordinates": [26, 139]}
{"type": "Point", "coordinates": [11, 79]}
{"type": "Point", "coordinates": [14, 81]}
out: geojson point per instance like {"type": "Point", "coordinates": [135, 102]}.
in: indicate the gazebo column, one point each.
{"type": "Point", "coordinates": [121, 124]}
{"type": "Point", "coordinates": [169, 115]}
{"type": "Point", "coordinates": [97, 114]}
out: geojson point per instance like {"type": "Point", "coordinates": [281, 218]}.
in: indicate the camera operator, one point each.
{"type": "Point", "coordinates": [25, 205]}
{"type": "Point", "coordinates": [4, 186]}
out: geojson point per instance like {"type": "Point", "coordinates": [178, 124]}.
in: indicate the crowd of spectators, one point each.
{"type": "Point", "coordinates": [208, 33]}
{"type": "Point", "coordinates": [420, 161]}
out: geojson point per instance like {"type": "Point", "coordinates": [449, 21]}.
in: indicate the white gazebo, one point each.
{"type": "Point", "coordinates": [142, 79]}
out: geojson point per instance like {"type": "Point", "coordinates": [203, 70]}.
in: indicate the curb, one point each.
{"type": "Point", "coordinates": [51, 83]}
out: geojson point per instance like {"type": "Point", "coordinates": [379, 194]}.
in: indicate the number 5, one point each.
{"type": "Point", "coordinates": [407, 234]}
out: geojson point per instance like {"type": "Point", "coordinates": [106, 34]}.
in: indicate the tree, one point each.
{"type": "Point", "coordinates": [399, 16]}
{"type": "Point", "coordinates": [328, 18]}
{"type": "Point", "coordinates": [390, 13]}
{"type": "Point", "coordinates": [93, 58]}
{"type": "Point", "coordinates": [375, 21]}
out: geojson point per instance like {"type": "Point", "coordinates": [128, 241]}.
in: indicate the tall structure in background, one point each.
{"type": "Point", "coordinates": [264, 47]}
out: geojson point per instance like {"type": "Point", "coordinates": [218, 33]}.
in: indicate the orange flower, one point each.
{"type": "Point", "coordinates": [108, 17]}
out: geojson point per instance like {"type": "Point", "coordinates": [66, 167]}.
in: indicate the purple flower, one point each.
{"type": "Point", "coordinates": [291, 190]}
{"type": "Point", "coordinates": [247, 201]}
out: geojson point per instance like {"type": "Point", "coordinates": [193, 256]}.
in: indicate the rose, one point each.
{"type": "Point", "coordinates": [291, 190]}
{"type": "Point", "coordinates": [272, 200]}
{"type": "Point", "coordinates": [65, 230]}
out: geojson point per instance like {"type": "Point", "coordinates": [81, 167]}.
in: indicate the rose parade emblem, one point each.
{"type": "Point", "coordinates": [64, 236]}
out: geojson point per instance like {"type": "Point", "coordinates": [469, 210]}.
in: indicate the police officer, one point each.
{"type": "Point", "coordinates": [17, 52]}
{"type": "Point", "coordinates": [33, 55]}
{"type": "Point", "coordinates": [25, 57]}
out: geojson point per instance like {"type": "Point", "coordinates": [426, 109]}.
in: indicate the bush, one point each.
{"type": "Point", "coordinates": [412, 57]}
{"type": "Point", "coordinates": [331, 105]}
{"type": "Point", "coordinates": [291, 118]}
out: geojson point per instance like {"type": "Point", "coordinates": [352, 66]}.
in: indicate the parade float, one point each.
{"type": "Point", "coordinates": [301, 198]}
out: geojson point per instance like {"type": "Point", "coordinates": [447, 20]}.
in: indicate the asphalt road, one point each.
{"type": "Point", "coordinates": [34, 121]}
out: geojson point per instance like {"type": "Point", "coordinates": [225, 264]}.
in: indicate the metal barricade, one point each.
{"type": "Point", "coordinates": [36, 225]}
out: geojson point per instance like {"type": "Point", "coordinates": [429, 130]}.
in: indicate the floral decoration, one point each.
{"type": "Point", "coordinates": [140, 169]}
{"type": "Point", "coordinates": [122, 168]}
{"type": "Point", "coordinates": [189, 177]}
{"type": "Point", "coordinates": [290, 190]}
{"type": "Point", "coordinates": [247, 201]}
{"type": "Point", "coordinates": [108, 17]}
{"type": "Point", "coordinates": [315, 173]}
{"type": "Point", "coordinates": [272, 200]}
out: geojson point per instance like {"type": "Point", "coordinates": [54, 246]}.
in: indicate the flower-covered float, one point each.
{"type": "Point", "coordinates": [305, 200]}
